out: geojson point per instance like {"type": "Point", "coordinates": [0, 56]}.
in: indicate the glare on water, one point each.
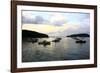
{"type": "Point", "coordinates": [65, 49]}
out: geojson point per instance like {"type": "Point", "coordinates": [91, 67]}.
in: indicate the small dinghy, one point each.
{"type": "Point", "coordinates": [81, 41]}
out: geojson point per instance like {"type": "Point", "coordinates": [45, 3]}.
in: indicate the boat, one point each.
{"type": "Point", "coordinates": [44, 43]}
{"type": "Point", "coordinates": [57, 40]}
{"type": "Point", "coordinates": [81, 41]}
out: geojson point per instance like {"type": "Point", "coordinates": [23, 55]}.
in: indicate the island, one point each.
{"type": "Point", "coordinates": [33, 34]}
{"type": "Point", "coordinates": [79, 35]}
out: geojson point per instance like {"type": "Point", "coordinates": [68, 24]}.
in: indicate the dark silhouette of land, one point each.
{"type": "Point", "coordinates": [79, 40]}
{"type": "Point", "coordinates": [33, 34]}
{"type": "Point", "coordinates": [79, 35]}
{"type": "Point", "coordinates": [34, 40]}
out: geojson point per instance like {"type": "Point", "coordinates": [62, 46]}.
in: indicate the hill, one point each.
{"type": "Point", "coordinates": [32, 34]}
{"type": "Point", "coordinates": [79, 35]}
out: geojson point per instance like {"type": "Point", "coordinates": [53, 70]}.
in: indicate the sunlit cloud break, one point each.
{"type": "Point", "coordinates": [53, 22]}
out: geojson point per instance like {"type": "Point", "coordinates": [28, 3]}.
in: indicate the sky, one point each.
{"type": "Point", "coordinates": [56, 23]}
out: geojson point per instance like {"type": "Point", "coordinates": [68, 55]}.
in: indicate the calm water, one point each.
{"type": "Point", "coordinates": [65, 49]}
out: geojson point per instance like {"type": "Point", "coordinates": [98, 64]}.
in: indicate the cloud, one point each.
{"type": "Point", "coordinates": [57, 24]}
{"type": "Point", "coordinates": [26, 20]}
{"type": "Point", "coordinates": [80, 29]}
{"type": "Point", "coordinates": [58, 19]}
{"type": "Point", "coordinates": [33, 20]}
{"type": "Point", "coordinates": [71, 29]}
{"type": "Point", "coordinates": [38, 20]}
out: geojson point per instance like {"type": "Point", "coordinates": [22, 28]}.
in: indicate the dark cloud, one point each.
{"type": "Point", "coordinates": [26, 20]}
{"type": "Point", "coordinates": [41, 20]}
{"type": "Point", "coordinates": [35, 20]}
{"type": "Point", "coordinates": [59, 23]}
{"type": "Point", "coordinates": [38, 20]}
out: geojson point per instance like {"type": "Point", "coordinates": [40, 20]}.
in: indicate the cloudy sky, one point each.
{"type": "Point", "coordinates": [56, 23]}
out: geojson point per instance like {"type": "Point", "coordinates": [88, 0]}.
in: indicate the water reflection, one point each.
{"type": "Point", "coordinates": [53, 49]}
